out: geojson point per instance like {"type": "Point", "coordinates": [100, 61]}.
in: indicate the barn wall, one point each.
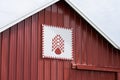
{"type": "Point", "coordinates": [21, 49]}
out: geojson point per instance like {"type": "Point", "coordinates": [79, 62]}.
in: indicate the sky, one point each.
{"type": "Point", "coordinates": [105, 14]}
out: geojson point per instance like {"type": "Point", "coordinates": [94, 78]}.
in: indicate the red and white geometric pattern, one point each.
{"type": "Point", "coordinates": [58, 44]}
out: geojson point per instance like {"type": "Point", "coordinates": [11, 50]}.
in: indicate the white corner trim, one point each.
{"type": "Point", "coordinates": [26, 16]}
{"type": "Point", "coordinates": [92, 24]}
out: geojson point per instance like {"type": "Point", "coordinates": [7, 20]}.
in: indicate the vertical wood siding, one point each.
{"type": "Point", "coordinates": [21, 49]}
{"type": "Point", "coordinates": [27, 51]}
{"type": "Point", "coordinates": [0, 53]}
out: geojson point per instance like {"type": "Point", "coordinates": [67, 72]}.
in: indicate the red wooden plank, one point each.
{"type": "Point", "coordinates": [47, 70]}
{"type": "Point", "coordinates": [20, 51]}
{"type": "Point", "coordinates": [0, 52]}
{"type": "Point", "coordinates": [100, 54]}
{"type": "Point", "coordinates": [54, 15]}
{"type": "Point", "coordinates": [66, 16]}
{"type": "Point", "coordinates": [72, 75]}
{"type": "Point", "coordinates": [110, 76]}
{"type": "Point", "coordinates": [95, 68]}
{"type": "Point", "coordinates": [117, 59]}
{"type": "Point", "coordinates": [85, 42]}
{"type": "Point", "coordinates": [99, 75]}
{"type": "Point", "coordinates": [102, 76]}
{"type": "Point", "coordinates": [67, 70]}
{"type": "Point", "coordinates": [73, 26]}
{"type": "Point", "coordinates": [86, 74]}
{"type": "Point", "coordinates": [27, 50]}
{"type": "Point", "coordinates": [54, 22]}
{"type": "Point", "coordinates": [13, 48]}
{"type": "Point", "coordinates": [66, 24]}
{"type": "Point", "coordinates": [5, 55]}
{"type": "Point", "coordinates": [118, 76]}
{"type": "Point", "coordinates": [114, 58]}
{"type": "Point", "coordinates": [111, 52]}
{"type": "Point", "coordinates": [110, 55]}
{"type": "Point", "coordinates": [47, 61]}
{"type": "Point", "coordinates": [85, 46]}
{"type": "Point", "coordinates": [84, 49]}
{"type": "Point", "coordinates": [92, 74]}
{"type": "Point", "coordinates": [34, 47]}
{"type": "Point", "coordinates": [106, 75]}
{"type": "Point", "coordinates": [107, 49]}
{"type": "Point", "coordinates": [89, 46]}
{"type": "Point", "coordinates": [83, 75]}
{"type": "Point", "coordinates": [78, 40]}
{"type": "Point", "coordinates": [60, 23]}
{"type": "Point", "coordinates": [95, 48]}
{"type": "Point", "coordinates": [90, 49]}
{"type": "Point", "coordinates": [60, 15]}
{"type": "Point", "coordinates": [60, 70]}
{"type": "Point", "coordinates": [78, 75]}
{"type": "Point", "coordinates": [40, 60]}
{"type": "Point", "coordinates": [106, 53]}
{"type": "Point", "coordinates": [97, 53]}
{"type": "Point", "coordinates": [114, 76]}
{"type": "Point", "coordinates": [94, 45]}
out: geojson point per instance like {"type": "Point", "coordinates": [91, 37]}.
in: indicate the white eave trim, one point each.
{"type": "Point", "coordinates": [92, 24]}
{"type": "Point", "coordinates": [26, 16]}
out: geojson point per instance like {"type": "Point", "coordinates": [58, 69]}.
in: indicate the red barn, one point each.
{"type": "Point", "coordinates": [95, 57]}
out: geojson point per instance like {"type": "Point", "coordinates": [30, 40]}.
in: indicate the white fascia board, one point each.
{"type": "Point", "coordinates": [92, 24]}
{"type": "Point", "coordinates": [26, 16]}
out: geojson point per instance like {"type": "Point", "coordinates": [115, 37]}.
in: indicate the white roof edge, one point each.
{"type": "Point", "coordinates": [26, 16]}
{"type": "Point", "coordinates": [92, 24]}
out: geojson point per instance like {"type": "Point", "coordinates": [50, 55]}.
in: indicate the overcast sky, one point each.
{"type": "Point", "coordinates": [103, 13]}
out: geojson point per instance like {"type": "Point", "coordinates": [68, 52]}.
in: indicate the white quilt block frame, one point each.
{"type": "Point", "coordinates": [57, 42]}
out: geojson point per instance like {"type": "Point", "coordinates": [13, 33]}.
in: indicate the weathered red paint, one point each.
{"type": "Point", "coordinates": [21, 50]}
{"type": "Point", "coordinates": [27, 49]}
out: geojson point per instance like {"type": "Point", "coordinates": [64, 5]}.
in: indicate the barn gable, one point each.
{"type": "Point", "coordinates": [33, 7]}
{"type": "Point", "coordinates": [21, 49]}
